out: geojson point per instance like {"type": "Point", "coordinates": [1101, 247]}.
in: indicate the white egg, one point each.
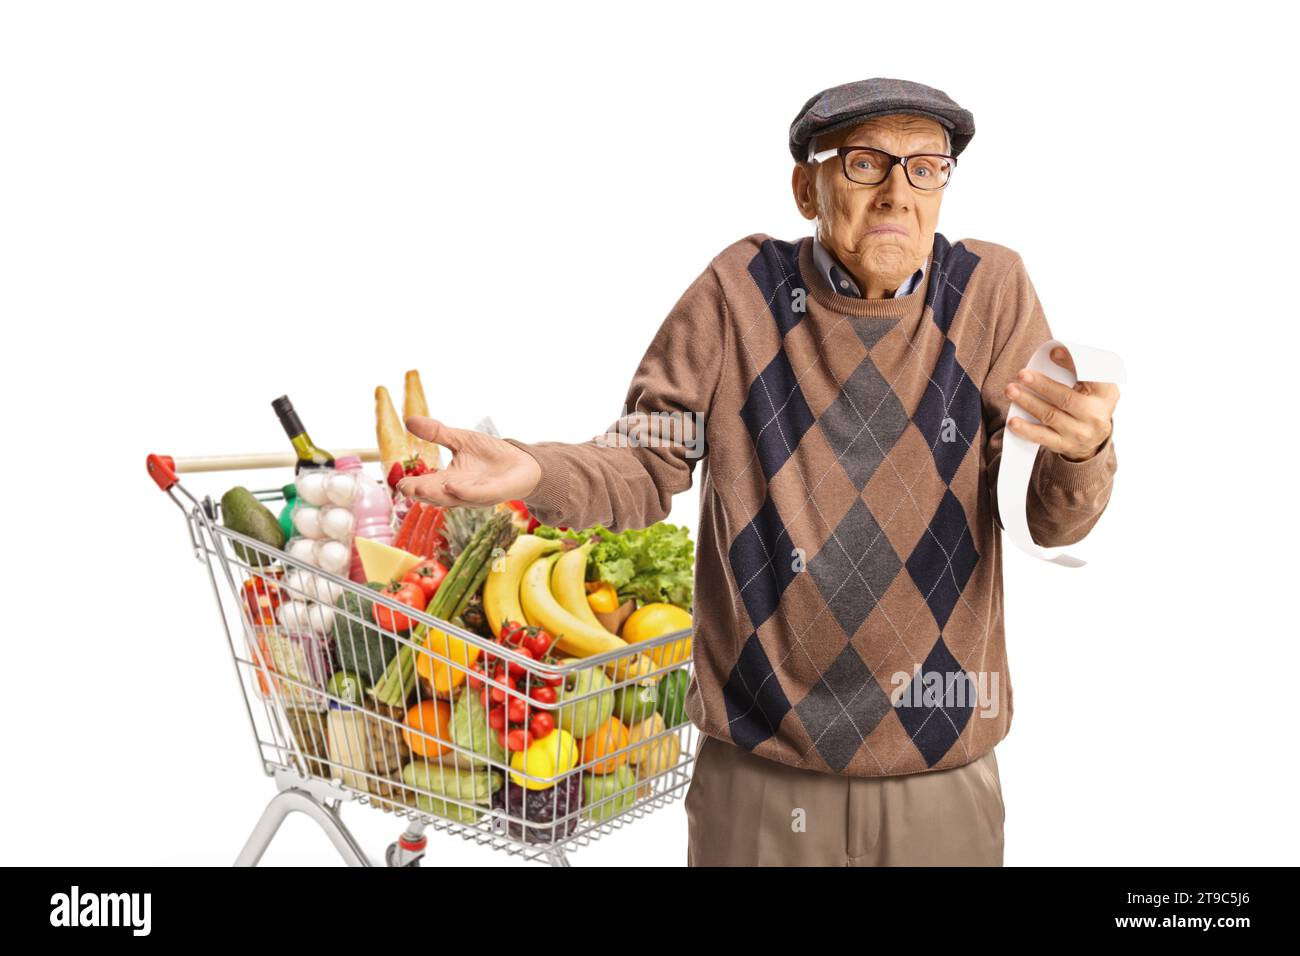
{"type": "Point", "coordinates": [341, 489]}
{"type": "Point", "coordinates": [295, 584]}
{"type": "Point", "coordinates": [333, 556]}
{"type": "Point", "coordinates": [320, 619]}
{"type": "Point", "coordinates": [337, 523]}
{"type": "Point", "coordinates": [293, 616]}
{"type": "Point", "coordinates": [303, 549]}
{"type": "Point", "coordinates": [307, 520]}
{"type": "Point", "coordinates": [328, 591]}
{"type": "Point", "coordinates": [303, 585]}
{"type": "Point", "coordinates": [311, 487]}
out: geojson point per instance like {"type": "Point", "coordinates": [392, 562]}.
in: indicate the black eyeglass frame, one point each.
{"type": "Point", "coordinates": [843, 152]}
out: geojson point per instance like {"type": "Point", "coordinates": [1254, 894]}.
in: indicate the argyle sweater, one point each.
{"type": "Point", "coordinates": [848, 584]}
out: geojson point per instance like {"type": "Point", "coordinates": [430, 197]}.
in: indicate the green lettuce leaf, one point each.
{"type": "Point", "coordinates": [654, 564]}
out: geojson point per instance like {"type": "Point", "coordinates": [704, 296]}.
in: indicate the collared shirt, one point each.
{"type": "Point", "coordinates": [843, 283]}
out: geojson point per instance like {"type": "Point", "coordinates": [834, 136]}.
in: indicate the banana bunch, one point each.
{"type": "Point", "coordinates": [540, 583]}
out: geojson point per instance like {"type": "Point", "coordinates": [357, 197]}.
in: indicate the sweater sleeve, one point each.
{"type": "Point", "coordinates": [627, 476]}
{"type": "Point", "coordinates": [1065, 498]}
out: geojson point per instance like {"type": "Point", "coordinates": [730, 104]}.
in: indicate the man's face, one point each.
{"type": "Point", "coordinates": [850, 217]}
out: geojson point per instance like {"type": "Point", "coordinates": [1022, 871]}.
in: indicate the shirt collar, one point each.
{"type": "Point", "coordinates": [843, 283]}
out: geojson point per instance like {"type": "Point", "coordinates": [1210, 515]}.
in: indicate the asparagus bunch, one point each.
{"type": "Point", "coordinates": [464, 579]}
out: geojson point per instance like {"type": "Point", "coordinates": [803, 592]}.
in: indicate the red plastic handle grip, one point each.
{"type": "Point", "coordinates": [162, 469]}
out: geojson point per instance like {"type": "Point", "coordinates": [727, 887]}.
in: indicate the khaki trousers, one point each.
{"type": "Point", "coordinates": [745, 810]}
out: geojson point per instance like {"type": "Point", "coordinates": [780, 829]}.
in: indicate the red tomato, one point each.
{"type": "Point", "coordinates": [427, 577]}
{"type": "Point", "coordinates": [396, 621]}
{"type": "Point", "coordinates": [517, 710]}
{"type": "Point", "coordinates": [519, 671]}
{"type": "Point", "coordinates": [476, 674]}
{"type": "Point", "coordinates": [541, 724]}
{"type": "Point", "coordinates": [512, 632]}
{"type": "Point", "coordinates": [538, 644]}
{"type": "Point", "coordinates": [518, 739]}
{"type": "Point", "coordinates": [497, 717]}
{"type": "Point", "coordinates": [545, 694]}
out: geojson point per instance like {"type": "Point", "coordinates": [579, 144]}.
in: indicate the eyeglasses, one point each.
{"type": "Point", "coordinates": [871, 167]}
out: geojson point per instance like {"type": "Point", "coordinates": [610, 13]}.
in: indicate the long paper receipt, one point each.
{"type": "Point", "coordinates": [1018, 452]}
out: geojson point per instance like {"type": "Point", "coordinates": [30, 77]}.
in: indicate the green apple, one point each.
{"type": "Point", "coordinates": [605, 795]}
{"type": "Point", "coordinates": [633, 703]}
{"type": "Point", "coordinates": [584, 702]}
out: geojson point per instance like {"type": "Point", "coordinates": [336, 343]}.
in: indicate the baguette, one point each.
{"type": "Point", "coordinates": [414, 403]}
{"type": "Point", "coordinates": [389, 430]}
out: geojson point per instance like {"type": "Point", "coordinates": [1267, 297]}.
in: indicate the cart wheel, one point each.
{"type": "Point", "coordinates": [391, 857]}
{"type": "Point", "coordinates": [406, 852]}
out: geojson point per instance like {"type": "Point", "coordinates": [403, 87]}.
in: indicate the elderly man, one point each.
{"type": "Point", "coordinates": [850, 392]}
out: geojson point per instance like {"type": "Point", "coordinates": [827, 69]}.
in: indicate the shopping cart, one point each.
{"type": "Point", "coordinates": [325, 743]}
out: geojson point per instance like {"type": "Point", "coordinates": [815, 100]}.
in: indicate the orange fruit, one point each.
{"type": "Point", "coordinates": [608, 738]}
{"type": "Point", "coordinates": [428, 728]}
{"type": "Point", "coordinates": [655, 620]}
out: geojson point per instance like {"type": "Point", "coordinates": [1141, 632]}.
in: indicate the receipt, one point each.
{"type": "Point", "coordinates": [1019, 453]}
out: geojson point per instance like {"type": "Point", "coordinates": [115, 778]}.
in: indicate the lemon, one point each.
{"type": "Point", "coordinates": [546, 759]}
{"type": "Point", "coordinates": [656, 620]}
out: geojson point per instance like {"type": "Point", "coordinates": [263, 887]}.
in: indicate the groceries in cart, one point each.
{"type": "Point", "coordinates": [437, 659]}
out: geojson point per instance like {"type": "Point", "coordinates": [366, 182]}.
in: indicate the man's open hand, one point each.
{"type": "Point", "coordinates": [1075, 421]}
{"type": "Point", "coordinates": [483, 471]}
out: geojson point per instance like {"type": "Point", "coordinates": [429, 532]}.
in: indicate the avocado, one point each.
{"type": "Point", "coordinates": [241, 512]}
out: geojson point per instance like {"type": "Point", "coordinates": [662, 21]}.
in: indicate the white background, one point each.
{"type": "Point", "coordinates": [205, 206]}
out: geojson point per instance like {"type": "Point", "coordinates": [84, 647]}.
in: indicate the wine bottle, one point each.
{"type": "Point", "coordinates": [309, 456]}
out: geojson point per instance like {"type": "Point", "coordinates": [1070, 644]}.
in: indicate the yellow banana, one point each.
{"type": "Point", "coordinates": [567, 584]}
{"type": "Point", "coordinates": [501, 590]}
{"type": "Point", "coordinates": [572, 634]}
{"type": "Point", "coordinates": [568, 579]}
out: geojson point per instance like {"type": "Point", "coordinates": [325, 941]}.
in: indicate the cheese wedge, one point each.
{"type": "Point", "coordinates": [383, 563]}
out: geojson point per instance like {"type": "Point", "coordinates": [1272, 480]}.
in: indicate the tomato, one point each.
{"type": "Point", "coordinates": [519, 671]}
{"type": "Point", "coordinates": [512, 632]}
{"type": "Point", "coordinates": [497, 717]}
{"type": "Point", "coordinates": [427, 577]}
{"type": "Point", "coordinates": [396, 621]}
{"type": "Point", "coordinates": [517, 710]}
{"type": "Point", "coordinates": [476, 674]}
{"type": "Point", "coordinates": [538, 644]}
{"type": "Point", "coordinates": [545, 694]}
{"type": "Point", "coordinates": [541, 724]}
{"type": "Point", "coordinates": [518, 739]}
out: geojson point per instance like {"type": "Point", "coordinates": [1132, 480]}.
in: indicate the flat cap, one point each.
{"type": "Point", "coordinates": [851, 103]}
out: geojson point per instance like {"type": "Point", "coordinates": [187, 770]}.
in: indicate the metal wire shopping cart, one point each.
{"type": "Point", "coordinates": [325, 742]}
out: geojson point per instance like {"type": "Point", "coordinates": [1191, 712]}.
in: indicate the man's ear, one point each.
{"type": "Point", "coordinates": [804, 183]}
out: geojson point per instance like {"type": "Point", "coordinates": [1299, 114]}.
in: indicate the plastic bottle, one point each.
{"type": "Point", "coordinates": [372, 508]}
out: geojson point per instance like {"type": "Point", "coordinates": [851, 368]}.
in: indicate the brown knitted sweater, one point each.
{"type": "Point", "coordinates": [848, 582]}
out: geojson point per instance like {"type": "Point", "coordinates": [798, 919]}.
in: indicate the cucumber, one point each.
{"type": "Point", "coordinates": [467, 786]}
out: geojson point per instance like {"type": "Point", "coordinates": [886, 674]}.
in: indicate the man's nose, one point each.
{"type": "Point", "coordinates": [895, 191]}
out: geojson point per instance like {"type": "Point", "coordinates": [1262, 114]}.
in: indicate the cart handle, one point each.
{"type": "Point", "coordinates": [163, 469]}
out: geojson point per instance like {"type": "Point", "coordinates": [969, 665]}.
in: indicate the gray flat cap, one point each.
{"type": "Point", "coordinates": [851, 103]}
